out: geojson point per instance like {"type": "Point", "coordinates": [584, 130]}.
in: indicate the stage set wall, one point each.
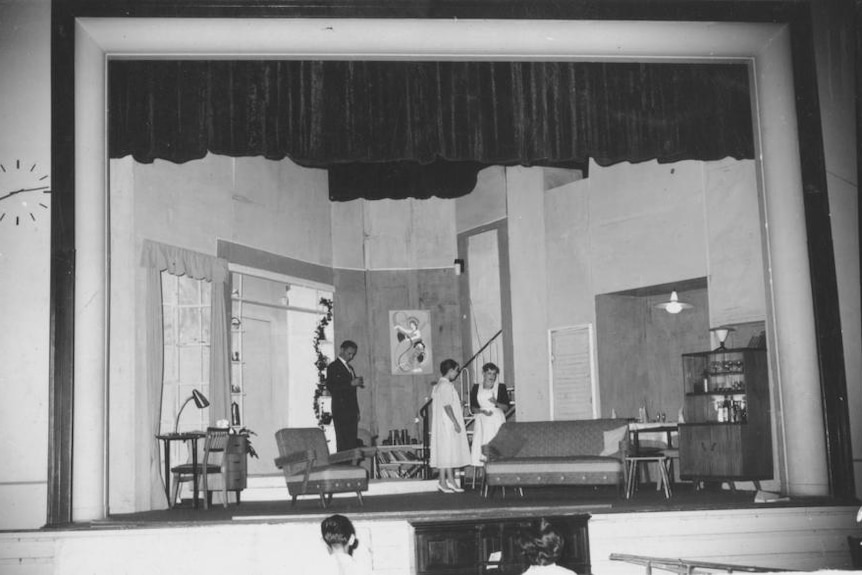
{"type": "Point", "coordinates": [25, 253]}
{"type": "Point", "coordinates": [404, 261]}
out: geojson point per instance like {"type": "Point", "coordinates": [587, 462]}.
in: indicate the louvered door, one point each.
{"type": "Point", "coordinates": [572, 373]}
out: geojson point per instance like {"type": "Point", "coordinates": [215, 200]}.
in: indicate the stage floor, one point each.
{"type": "Point", "coordinates": [435, 505]}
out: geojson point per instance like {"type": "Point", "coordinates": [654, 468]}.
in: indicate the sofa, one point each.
{"type": "Point", "coordinates": [535, 453]}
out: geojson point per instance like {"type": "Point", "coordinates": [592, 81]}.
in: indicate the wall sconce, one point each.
{"type": "Point", "coordinates": [673, 306]}
{"type": "Point", "coordinates": [200, 401]}
{"type": "Point", "coordinates": [459, 266]}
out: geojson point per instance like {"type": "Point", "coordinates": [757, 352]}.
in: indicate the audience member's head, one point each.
{"type": "Point", "coordinates": [541, 544]}
{"type": "Point", "coordinates": [339, 534]}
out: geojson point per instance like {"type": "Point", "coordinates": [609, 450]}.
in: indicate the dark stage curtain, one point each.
{"type": "Point", "coordinates": [417, 129]}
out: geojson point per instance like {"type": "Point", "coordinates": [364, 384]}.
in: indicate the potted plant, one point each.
{"type": "Point", "coordinates": [245, 433]}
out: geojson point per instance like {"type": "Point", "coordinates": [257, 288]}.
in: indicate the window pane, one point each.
{"type": "Point", "coordinates": [190, 325]}
{"type": "Point", "coordinates": [171, 364]}
{"type": "Point", "coordinates": [189, 291]}
{"type": "Point", "coordinates": [205, 364]}
{"type": "Point", "coordinates": [206, 323]}
{"type": "Point", "coordinates": [170, 328]}
{"type": "Point", "coordinates": [169, 288]}
{"type": "Point", "coordinates": [190, 365]}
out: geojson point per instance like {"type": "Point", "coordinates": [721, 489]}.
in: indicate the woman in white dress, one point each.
{"type": "Point", "coordinates": [449, 447]}
{"type": "Point", "coordinates": [488, 402]}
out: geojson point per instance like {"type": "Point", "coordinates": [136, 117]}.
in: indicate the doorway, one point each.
{"type": "Point", "coordinates": [273, 376]}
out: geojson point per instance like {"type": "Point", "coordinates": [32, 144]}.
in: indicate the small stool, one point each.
{"type": "Point", "coordinates": [632, 472]}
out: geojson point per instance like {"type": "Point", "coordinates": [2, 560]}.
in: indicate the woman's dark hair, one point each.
{"type": "Point", "coordinates": [446, 365]}
{"type": "Point", "coordinates": [541, 544]}
{"type": "Point", "coordinates": [490, 366]}
{"type": "Point", "coordinates": [338, 530]}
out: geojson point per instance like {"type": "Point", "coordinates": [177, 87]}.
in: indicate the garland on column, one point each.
{"type": "Point", "coordinates": [321, 362]}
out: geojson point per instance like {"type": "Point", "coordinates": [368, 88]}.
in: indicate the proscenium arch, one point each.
{"type": "Point", "coordinates": [765, 47]}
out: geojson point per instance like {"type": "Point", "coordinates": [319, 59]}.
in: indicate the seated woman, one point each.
{"type": "Point", "coordinates": [488, 401]}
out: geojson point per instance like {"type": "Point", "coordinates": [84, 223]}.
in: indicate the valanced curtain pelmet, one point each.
{"type": "Point", "coordinates": [417, 129]}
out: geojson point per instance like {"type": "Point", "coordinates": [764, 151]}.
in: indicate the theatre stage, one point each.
{"type": "Point", "coordinates": [271, 537]}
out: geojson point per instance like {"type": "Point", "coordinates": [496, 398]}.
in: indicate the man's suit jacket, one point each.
{"type": "Point", "coordinates": [338, 378]}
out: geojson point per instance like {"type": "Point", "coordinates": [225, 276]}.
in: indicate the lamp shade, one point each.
{"type": "Point", "coordinates": [200, 401]}
{"type": "Point", "coordinates": [721, 333]}
{"type": "Point", "coordinates": [673, 306]}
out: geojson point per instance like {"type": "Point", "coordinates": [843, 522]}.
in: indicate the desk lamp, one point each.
{"type": "Point", "coordinates": [200, 401]}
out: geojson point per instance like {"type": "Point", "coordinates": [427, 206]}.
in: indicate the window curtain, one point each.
{"type": "Point", "coordinates": [415, 129]}
{"type": "Point", "coordinates": [157, 258]}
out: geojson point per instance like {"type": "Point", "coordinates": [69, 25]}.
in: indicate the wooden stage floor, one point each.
{"type": "Point", "coordinates": [416, 506]}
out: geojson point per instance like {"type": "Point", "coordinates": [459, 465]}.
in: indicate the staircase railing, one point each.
{"type": "Point", "coordinates": [426, 439]}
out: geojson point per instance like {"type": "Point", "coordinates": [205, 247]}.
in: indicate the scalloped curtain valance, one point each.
{"type": "Point", "coordinates": [180, 261]}
{"type": "Point", "coordinates": [417, 129]}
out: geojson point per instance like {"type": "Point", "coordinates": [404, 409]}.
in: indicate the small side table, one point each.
{"type": "Point", "coordinates": [166, 439]}
{"type": "Point", "coordinates": [632, 463]}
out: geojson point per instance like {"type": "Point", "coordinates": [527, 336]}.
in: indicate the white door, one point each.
{"type": "Point", "coordinates": [573, 386]}
{"type": "Point", "coordinates": [265, 403]}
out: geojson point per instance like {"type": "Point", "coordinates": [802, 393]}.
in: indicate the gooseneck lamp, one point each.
{"type": "Point", "coordinates": [200, 401]}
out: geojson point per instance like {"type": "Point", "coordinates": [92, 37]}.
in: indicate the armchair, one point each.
{"type": "Point", "coordinates": [310, 469]}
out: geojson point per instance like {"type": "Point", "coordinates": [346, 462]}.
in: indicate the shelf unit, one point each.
{"type": "Point", "coordinates": [237, 389]}
{"type": "Point", "coordinates": [403, 461]}
{"type": "Point", "coordinates": [727, 433]}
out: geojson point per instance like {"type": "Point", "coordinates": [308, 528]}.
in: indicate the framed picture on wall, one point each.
{"type": "Point", "coordinates": [410, 342]}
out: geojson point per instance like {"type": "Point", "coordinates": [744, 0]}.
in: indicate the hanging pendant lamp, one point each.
{"type": "Point", "coordinates": [673, 306]}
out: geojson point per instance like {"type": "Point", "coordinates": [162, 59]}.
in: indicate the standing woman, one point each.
{"type": "Point", "coordinates": [449, 447]}
{"type": "Point", "coordinates": [488, 402]}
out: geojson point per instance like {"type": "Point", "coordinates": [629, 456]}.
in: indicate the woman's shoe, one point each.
{"type": "Point", "coordinates": [455, 488]}
{"type": "Point", "coordinates": [444, 489]}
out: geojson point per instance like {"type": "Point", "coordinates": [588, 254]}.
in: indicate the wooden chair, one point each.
{"type": "Point", "coordinates": [215, 444]}
{"type": "Point", "coordinates": [310, 469]}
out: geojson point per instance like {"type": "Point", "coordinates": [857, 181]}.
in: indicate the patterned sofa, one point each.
{"type": "Point", "coordinates": [583, 452]}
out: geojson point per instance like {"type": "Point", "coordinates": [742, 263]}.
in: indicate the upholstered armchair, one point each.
{"type": "Point", "coordinates": [310, 469]}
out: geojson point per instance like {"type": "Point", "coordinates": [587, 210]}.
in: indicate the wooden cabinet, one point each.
{"type": "Point", "coordinates": [491, 546]}
{"type": "Point", "coordinates": [727, 434]}
{"type": "Point", "coordinates": [236, 463]}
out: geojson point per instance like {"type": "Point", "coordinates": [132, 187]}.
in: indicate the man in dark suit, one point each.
{"type": "Point", "coordinates": [341, 381]}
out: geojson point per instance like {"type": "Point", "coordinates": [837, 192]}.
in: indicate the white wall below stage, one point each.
{"type": "Point", "coordinates": [793, 538]}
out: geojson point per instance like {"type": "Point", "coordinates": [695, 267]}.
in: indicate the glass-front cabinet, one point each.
{"type": "Point", "coordinates": [727, 430]}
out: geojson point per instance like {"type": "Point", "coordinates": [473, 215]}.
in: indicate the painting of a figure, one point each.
{"type": "Point", "coordinates": [410, 342]}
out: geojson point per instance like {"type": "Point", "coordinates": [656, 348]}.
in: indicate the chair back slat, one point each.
{"type": "Point", "coordinates": [215, 442]}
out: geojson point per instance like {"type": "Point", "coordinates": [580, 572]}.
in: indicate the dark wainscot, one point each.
{"type": "Point", "coordinates": [466, 546]}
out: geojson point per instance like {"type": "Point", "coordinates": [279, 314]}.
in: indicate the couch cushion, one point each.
{"type": "Point", "coordinates": [507, 443]}
{"type": "Point", "coordinates": [563, 438]}
{"type": "Point", "coordinates": [329, 479]}
{"type": "Point", "coordinates": [612, 440]}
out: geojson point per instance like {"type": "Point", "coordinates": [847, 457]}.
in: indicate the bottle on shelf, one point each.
{"type": "Point", "coordinates": [234, 414]}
